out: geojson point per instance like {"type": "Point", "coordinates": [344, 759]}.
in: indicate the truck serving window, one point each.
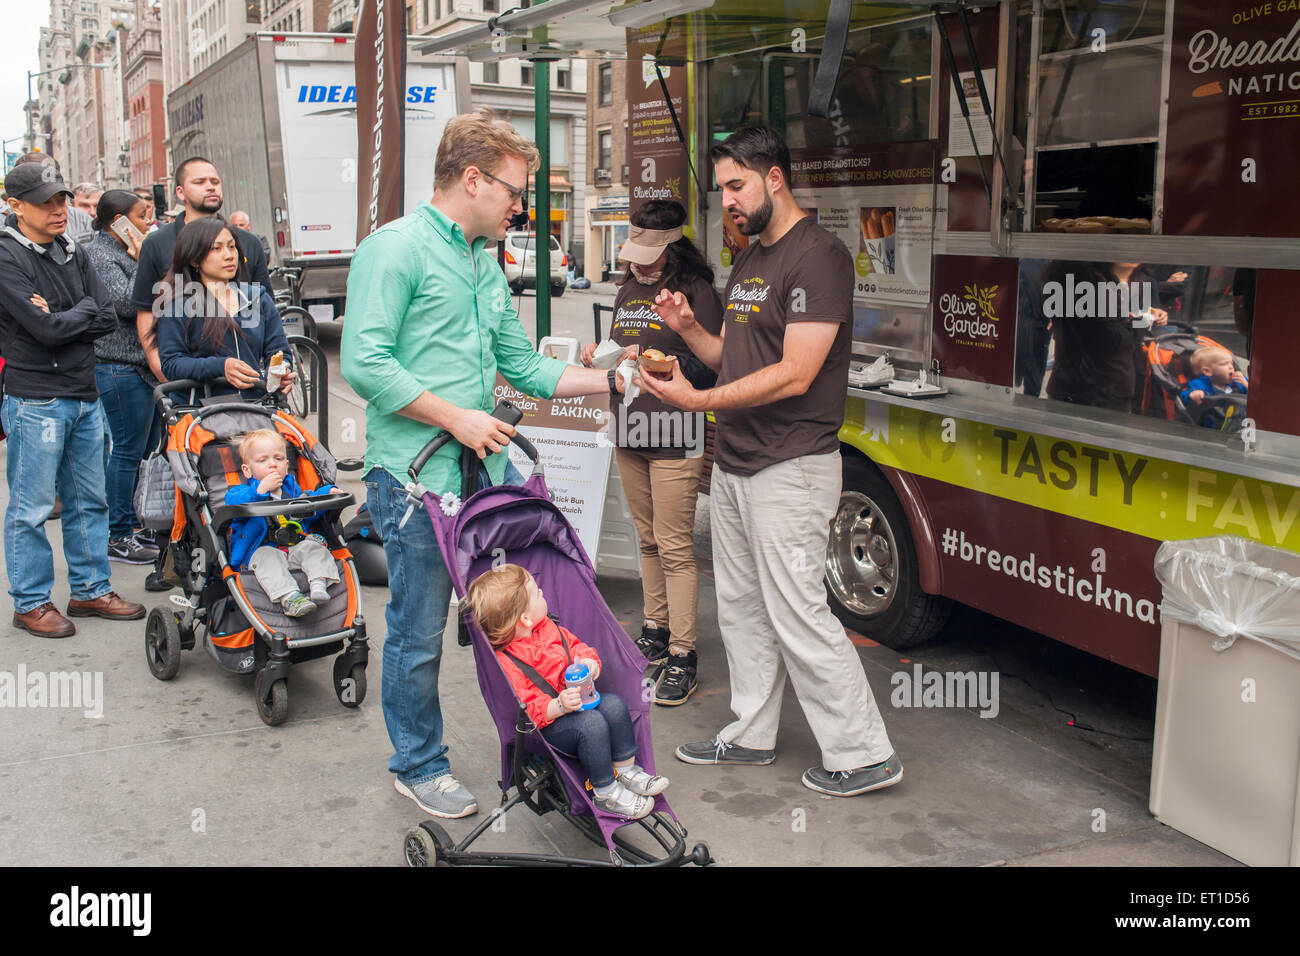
{"type": "Point", "coordinates": [1166, 341]}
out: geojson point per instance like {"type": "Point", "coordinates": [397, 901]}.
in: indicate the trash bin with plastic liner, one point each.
{"type": "Point", "coordinates": [1226, 764]}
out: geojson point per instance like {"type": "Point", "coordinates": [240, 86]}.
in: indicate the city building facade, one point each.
{"type": "Point", "coordinates": [607, 207]}
{"type": "Point", "coordinates": [145, 99]}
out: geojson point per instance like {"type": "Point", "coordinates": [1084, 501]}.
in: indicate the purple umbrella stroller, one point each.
{"type": "Point", "coordinates": [520, 525]}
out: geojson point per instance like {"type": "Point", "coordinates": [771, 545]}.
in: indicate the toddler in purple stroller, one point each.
{"type": "Point", "coordinates": [519, 525]}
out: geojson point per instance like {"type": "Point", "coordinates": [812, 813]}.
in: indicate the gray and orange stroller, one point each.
{"type": "Point", "coordinates": [241, 628]}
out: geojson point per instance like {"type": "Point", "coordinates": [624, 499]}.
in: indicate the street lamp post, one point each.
{"type": "Point", "coordinates": [57, 69]}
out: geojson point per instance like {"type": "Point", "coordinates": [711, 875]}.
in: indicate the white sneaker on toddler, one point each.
{"type": "Point", "coordinates": [319, 591]}
{"type": "Point", "coordinates": [623, 802]}
{"type": "Point", "coordinates": [642, 782]}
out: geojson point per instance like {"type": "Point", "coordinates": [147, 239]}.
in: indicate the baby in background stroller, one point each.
{"type": "Point", "coordinates": [534, 652]}
{"type": "Point", "coordinates": [265, 463]}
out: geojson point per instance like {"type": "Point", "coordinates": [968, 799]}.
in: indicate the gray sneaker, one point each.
{"type": "Point", "coordinates": [443, 796]}
{"type": "Point", "coordinates": [850, 783]}
{"type": "Point", "coordinates": [297, 604]}
{"type": "Point", "coordinates": [718, 751]}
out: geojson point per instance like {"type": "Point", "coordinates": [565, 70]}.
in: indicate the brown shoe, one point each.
{"type": "Point", "coordinates": [109, 606]}
{"type": "Point", "coordinates": [45, 621]}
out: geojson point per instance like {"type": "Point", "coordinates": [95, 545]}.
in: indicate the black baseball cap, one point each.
{"type": "Point", "coordinates": [35, 182]}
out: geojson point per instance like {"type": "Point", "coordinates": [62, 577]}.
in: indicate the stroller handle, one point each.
{"type": "Point", "coordinates": [163, 391]}
{"type": "Point", "coordinates": [506, 413]}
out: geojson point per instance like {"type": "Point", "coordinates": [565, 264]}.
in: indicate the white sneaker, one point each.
{"type": "Point", "coordinates": [319, 593]}
{"type": "Point", "coordinates": [642, 782]}
{"type": "Point", "coordinates": [624, 803]}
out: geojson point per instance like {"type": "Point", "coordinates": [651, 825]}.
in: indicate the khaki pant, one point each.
{"type": "Point", "coordinates": [661, 495]}
{"type": "Point", "coordinates": [769, 556]}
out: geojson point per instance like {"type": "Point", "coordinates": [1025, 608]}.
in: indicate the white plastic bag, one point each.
{"type": "Point", "coordinates": [1233, 587]}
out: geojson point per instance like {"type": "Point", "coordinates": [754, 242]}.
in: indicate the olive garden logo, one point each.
{"type": "Point", "coordinates": [970, 318]}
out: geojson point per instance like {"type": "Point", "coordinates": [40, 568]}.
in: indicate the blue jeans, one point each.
{"type": "Point", "coordinates": [55, 441]}
{"type": "Point", "coordinates": [419, 593]}
{"type": "Point", "coordinates": [598, 737]}
{"type": "Point", "coordinates": [135, 428]}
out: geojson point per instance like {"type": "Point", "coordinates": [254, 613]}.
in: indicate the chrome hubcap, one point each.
{"type": "Point", "coordinates": [860, 556]}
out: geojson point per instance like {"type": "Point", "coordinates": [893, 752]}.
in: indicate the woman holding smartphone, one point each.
{"type": "Point", "coordinates": [121, 372]}
{"type": "Point", "coordinates": [212, 324]}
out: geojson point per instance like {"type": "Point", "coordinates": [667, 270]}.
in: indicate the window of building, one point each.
{"type": "Point", "coordinates": [489, 6]}
{"type": "Point", "coordinates": [425, 6]}
{"type": "Point", "coordinates": [491, 72]}
{"type": "Point", "coordinates": [526, 74]}
{"type": "Point", "coordinates": [605, 154]}
{"type": "Point", "coordinates": [562, 79]}
{"type": "Point", "coordinates": [252, 11]}
{"type": "Point", "coordinates": [606, 84]}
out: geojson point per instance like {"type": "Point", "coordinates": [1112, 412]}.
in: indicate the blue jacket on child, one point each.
{"type": "Point", "coordinates": [1205, 384]}
{"type": "Point", "coordinates": [247, 534]}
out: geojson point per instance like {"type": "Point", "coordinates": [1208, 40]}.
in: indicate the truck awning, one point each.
{"type": "Point", "coordinates": [568, 28]}
{"type": "Point", "coordinates": [600, 29]}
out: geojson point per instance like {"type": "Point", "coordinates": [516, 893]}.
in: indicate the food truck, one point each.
{"type": "Point", "coordinates": [1074, 230]}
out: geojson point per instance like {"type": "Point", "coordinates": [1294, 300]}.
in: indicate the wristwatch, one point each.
{"type": "Point", "coordinates": [613, 381]}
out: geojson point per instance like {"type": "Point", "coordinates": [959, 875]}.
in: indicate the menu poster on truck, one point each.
{"type": "Point", "coordinates": [318, 110]}
{"type": "Point", "coordinates": [571, 441]}
{"type": "Point", "coordinates": [879, 200]}
{"type": "Point", "coordinates": [1234, 120]}
{"type": "Point", "coordinates": [657, 166]}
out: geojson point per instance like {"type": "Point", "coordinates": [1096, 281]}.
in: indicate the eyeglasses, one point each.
{"type": "Point", "coordinates": [515, 193]}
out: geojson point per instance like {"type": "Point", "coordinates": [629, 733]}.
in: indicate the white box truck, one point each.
{"type": "Point", "coordinates": [277, 116]}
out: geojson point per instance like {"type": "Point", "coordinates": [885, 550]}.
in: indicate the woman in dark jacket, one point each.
{"type": "Point", "coordinates": [214, 324]}
{"type": "Point", "coordinates": [122, 374]}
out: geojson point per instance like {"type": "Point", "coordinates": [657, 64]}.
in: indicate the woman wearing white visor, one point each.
{"type": "Point", "coordinates": [660, 448]}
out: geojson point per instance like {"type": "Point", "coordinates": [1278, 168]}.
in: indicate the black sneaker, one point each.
{"type": "Point", "coordinates": [653, 644]}
{"type": "Point", "coordinates": [677, 680]}
{"type": "Point", "coordinates": [157, 581]}
{"type": "Point", "coordinates": [850, 783]}
{"type": "Point", "coordinates": [130, 550]}
{"type": "Point", "coordinates": [716, 751]}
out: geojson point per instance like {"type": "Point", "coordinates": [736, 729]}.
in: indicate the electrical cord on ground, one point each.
{"type": "Point", "coordinates": [1073, 718]}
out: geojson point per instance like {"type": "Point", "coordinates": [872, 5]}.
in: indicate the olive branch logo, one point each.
{"type": "Point", "coordinates": [674, 186]}
{"type": "Point", "coordinates": [983, 299]}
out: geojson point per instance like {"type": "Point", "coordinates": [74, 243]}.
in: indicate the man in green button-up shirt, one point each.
{"type": "Point", "coordinates": [429, 324]}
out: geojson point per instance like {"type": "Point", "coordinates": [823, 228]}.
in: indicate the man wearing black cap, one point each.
{"type": "Point", "coordinates": [52, 308]}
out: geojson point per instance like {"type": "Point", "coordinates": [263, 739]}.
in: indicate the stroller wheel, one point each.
{"type": "Point", "coordinates": [424, 845]}
{"type": "Point", "coordinates": [162, 643]}
{"type": "Point", "coordinates": [350, 687]}
{"type": "Point", "coordinates": [273, 701]}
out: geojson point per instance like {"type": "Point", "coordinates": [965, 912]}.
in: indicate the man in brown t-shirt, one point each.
{"type": "Point", "coordinates": [783, 358]}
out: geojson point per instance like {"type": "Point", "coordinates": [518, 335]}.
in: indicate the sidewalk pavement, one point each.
{"type": "Point", "coordinates": [184, 772]}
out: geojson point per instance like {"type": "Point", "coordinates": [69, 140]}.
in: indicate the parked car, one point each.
{"type": "Point", "coordinates": [521, 262]}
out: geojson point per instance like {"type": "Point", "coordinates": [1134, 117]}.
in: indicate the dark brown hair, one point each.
{"type": "Point", "coordinates": [755, 147]}
{"type": "Point", "coordinates": [193, 245]}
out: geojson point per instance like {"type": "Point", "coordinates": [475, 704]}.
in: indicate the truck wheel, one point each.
{"type": "Point", "coordinates": [871, 570]}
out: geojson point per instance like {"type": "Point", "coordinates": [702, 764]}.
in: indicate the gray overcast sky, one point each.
{"type": "Point", "coordinates": [23, 20]}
